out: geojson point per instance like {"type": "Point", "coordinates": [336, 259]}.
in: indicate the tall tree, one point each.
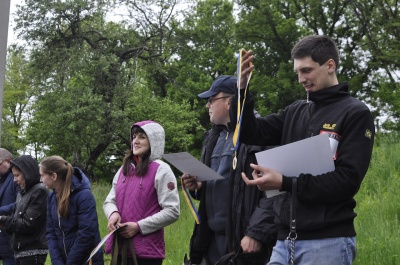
{"type": "Point", "coordinates": [18, 100]}
{"type": "Point", "coordinates": [380, 21]}
{"type": "Point", "coordinates": [206, 49]}
{"type": "Point", "coordinates": [88, 72]}
{"type": "Point", "coordinates": [270, 29]}
{"type": "Point", "coordinates": [155, 21]}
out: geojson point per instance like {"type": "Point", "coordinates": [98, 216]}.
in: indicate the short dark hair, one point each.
{"type": "Point", "coordinates": [320, 48]}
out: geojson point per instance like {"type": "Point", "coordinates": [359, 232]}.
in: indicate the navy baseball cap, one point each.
{"type": "Point", "coordinates": [223, 83]}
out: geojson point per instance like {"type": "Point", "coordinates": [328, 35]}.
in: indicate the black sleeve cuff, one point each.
{"type": "Point", "coordinates": [286, 183]}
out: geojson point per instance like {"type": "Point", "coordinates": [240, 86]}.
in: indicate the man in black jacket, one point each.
{"type": "Point", "coordinates": [233, 217]}
{"type": "Point", "coordinates": [316, 214]}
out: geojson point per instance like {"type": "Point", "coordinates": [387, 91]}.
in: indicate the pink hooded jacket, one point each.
{"type": "Point", "coordinates": [151, 200]}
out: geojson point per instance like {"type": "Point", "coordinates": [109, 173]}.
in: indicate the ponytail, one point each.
{"type": "Point", "coordinates": [64, 171]}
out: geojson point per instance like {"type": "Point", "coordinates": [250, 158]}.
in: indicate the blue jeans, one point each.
{"type": "Point", "coordinates": [328, 251]}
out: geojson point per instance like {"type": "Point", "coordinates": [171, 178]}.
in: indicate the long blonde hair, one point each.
{"type": "Point", "coordinates": [64, 171]}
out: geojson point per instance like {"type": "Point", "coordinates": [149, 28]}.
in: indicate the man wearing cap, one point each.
{"type": "Point", "coordinates": [8, 194]}
{"type": "Point", "coordinates": [221, 230]}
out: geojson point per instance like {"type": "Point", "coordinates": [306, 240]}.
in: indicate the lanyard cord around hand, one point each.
{"type": "Point", "coordinates": [189, 201]}
{"type": "Point", "coordinates": [239, 114]}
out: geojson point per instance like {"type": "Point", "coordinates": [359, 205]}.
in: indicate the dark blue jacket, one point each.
{"type": "Point", "coordinates": [72, 240]}
{"type": "Point", "coordinates": [8, 194]}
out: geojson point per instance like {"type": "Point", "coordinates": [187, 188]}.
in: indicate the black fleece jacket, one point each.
{"type": "Point", "coordinates": [326, 202]}
{"type": "Point", "coordinates": [27, 224]}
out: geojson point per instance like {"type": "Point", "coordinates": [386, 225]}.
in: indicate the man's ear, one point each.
{"type": "Point", "coordinates": [229, 102]}
{"type": "Point", "coordinates": [331, 66]}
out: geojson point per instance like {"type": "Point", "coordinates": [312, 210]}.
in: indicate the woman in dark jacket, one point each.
{"type": "Point", "coordinates": [72, 224]}
{"type": "Point", "coordinates": [27, 224]}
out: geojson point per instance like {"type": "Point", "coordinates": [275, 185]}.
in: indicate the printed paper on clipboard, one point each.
{"type": "Point", "coordinates": [309, 156]}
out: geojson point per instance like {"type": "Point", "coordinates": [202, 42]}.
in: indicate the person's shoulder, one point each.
{"type": "Point", "coordinates": [164, 170]}
{"type": "Point", "coordinates": [356, 104]}
{"type": "Point", "coordinates": [295, 106]}
{"type": "Point", "coordinates": [39, 187]}
{"type": "Point", "coordinates": [38, 190]}
{"type": "Point", "coordinates": [84, 195]}
{"type": "Point", "coordinates": [162, 165]}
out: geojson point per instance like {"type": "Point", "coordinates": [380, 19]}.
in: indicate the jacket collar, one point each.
{"type": "Point", "coordinates": [330, 94]}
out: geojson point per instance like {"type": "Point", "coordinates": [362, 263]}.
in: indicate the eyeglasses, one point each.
{"type": "Point", "coordinates": [211, 100]}
{"type": "Point", "coordinates": [3, 162]}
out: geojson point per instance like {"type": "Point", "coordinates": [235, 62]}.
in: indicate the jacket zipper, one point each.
{"type": "Point", "coordinates": [309, 112]}
{"type": "Point", "coordinates": [59, 225]}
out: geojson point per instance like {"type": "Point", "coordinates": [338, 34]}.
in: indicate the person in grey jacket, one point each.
{"type": "Point", "coordinates": [8, 194]}
{"type": "Point", "coordinates": [27, 224]}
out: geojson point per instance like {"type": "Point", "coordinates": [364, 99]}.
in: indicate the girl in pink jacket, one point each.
{"type": "Point", "coordinates": [143, 198]}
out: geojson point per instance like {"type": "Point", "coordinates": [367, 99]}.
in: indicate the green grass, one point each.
{"type": "Point", "coordinates": [378, 207]}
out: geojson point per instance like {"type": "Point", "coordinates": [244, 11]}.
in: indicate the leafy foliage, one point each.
{"type": "Point", "coordinates": [83, 79]}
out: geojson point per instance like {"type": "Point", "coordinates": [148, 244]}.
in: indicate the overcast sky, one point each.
{"type": "Point", "coordinates": [13, 7]}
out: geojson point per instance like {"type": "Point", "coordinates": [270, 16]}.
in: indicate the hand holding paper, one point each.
{"type": "Point", "coordinates": [113, 220]}
{"type": "Point", "coordinates": [264, 178]}
{"type": "Point", "coordinates": [103, 240]}
{"type": "Point", "coordinates": [128, 229]}
{"type": "Point", "coordinates": [191, 182]}
{"type": "Point", "coordinates": [311, 155]}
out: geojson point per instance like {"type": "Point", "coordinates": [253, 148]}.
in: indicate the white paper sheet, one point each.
{"type": "Point", "coordinates": [96, 249]}
{"type": "Point", "coordinates": [188, 164]}
{"type": "Point", "coordinates": [309, 156]}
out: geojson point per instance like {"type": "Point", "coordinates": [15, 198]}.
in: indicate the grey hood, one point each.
{"type": "Point", "coordinates": [155, 133]}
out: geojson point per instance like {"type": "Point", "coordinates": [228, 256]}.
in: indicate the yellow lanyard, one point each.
{"type": "Point", "coordinates": [239, 114]}
{"type": "Point", "coordinates": [190, 203]}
